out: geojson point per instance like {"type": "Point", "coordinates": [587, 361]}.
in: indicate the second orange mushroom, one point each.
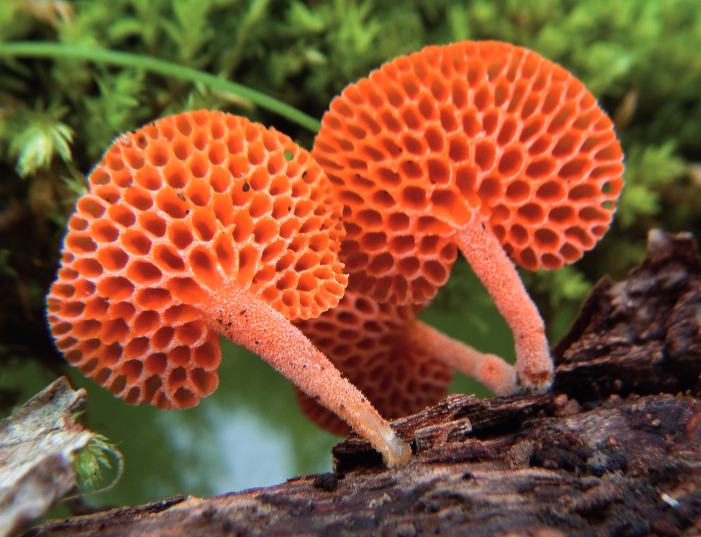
{"type": "Point", "coordinates": [478, 146]}
{"type": "Point", "coordinates": [398, 362]}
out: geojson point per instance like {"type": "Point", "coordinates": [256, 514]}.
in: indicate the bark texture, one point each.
{"type": "Point", "coordinates": [614, 449]}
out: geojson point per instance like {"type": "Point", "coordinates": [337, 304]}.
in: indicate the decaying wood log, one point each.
{"type": "Point", "coordinates": [640, 335]}
{"type": "Point", "coordinates": [614, 449]}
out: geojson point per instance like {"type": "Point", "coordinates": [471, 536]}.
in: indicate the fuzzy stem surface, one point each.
{"type": "Point", "coordinates": [488, 369]}
{"type": "Point", "coordinates": [252, 323]}
{"type": "Point", "coordinates": [498, 274]}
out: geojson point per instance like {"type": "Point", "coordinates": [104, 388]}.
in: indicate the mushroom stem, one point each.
{"type": "Point", "coordinates": [252, 323]}
{"type": "Point", "coordinates": [489, 369]}
{"type": "Point", "coordinates": [490, 263]}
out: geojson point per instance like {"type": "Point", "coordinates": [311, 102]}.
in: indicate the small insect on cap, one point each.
{"type": "Point", "coordinates": [180, 215]}
{"type": "Point", "coordinates": [473, 132]}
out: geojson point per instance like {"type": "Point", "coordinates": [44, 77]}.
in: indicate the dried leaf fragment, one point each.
{"type": "Point", "coordinates": [38, 445]}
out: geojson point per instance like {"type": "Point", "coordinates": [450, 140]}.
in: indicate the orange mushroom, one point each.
{"type": "Point", "coordinates": [399, 363]}
{"type": "Point", "coordinates": [478, 146]}
{"type": "Point", "coordinates": [196, 225]}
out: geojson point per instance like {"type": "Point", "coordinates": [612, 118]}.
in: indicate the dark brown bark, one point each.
{"type": "Point", "coordinates": [614, 449]}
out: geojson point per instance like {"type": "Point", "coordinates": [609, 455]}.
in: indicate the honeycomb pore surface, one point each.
{"type": "Point", "coordinates": [473, 132]}
{"type": "Point", "coordinates": [177, 211]}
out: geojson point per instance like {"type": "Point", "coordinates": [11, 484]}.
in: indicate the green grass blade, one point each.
{"type": "Point", "coordinates": [161, 67]}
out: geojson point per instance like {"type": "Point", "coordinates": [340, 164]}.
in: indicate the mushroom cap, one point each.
{"type": "Point", "coordinates": [473, 132]}
{"type": "Point", "coordinates": [367, 342]}
{"type": "Point", "coordinates": [183, 209]}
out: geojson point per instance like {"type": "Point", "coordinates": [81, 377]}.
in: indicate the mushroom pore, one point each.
{"type": "Point", "coordinates": [196, 225]}
{"type": "Point", "coordinates": [478, 146]}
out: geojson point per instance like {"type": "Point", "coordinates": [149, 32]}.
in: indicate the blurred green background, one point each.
{"type": "Point", "coordinates": [641, 58]}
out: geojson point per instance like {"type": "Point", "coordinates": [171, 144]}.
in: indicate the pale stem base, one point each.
{"type": "Point", "coordinates": [252, 323]}
{"type": "Point", "coordinates": [498, 274]}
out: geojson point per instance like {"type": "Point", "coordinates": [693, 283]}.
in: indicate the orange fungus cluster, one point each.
{"type": "Point", "coordinates": [204, 223]}
{"type": "Point", "coordinates": [470, 132]}
{"type": "Point", "coordinates": [183, 210]}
